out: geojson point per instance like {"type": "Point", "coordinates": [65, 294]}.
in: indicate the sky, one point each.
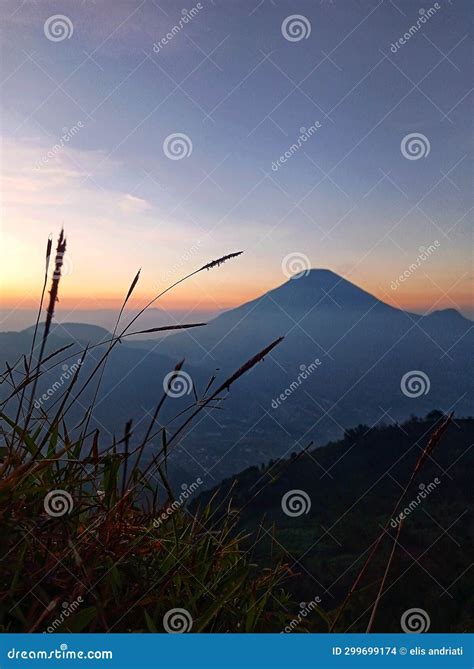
{"type": "Point", "coordinates": [154, 133]}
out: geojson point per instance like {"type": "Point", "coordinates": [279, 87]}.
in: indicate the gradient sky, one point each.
{"type": "Point", "coordinates": [348, 199]}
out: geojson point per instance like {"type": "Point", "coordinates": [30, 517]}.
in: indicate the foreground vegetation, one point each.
{"type": "Point", "coordinates": [352, 485]}
{"type": "Point", "coordinates": [94, 539]}
{"type": "Point", "coordinates": [108, 553]}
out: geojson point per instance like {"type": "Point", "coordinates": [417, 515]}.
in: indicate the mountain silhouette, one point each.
{"type": "Point", "coordinates": [346, 358]}
{"type": "Point", "coordinates": [319, 311]}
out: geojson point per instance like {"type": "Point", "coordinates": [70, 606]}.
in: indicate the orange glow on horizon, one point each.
{"type": "Point", "coordinates": [224, 298]}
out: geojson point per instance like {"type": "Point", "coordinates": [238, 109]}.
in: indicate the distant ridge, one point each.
{"type": "Point", "coordinates": [78, 331]}
{"type": "Point", "coordinates": [451, 313]}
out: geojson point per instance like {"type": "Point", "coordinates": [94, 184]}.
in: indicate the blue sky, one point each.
{"type": "Point", "coordinates": [242, 93]}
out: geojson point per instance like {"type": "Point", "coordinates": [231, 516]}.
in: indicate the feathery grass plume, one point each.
{"type": "Point", "coordinates": [210, 265]}
{"type": "Point", "coordinates": [434, 439]}
{"type": "Point", "coordinates": [49, 246]}
{"type": "Point", "coordinates": [54, 292]}
{"type": "Point", "coordinates": [109, 537]}
{"type": "Point", "coordinates": [220, 261]}
{"type": "Point", "coordinates": [124, 333]}
{"type": "Point", "coordinates": [258, 357]}
{"type": "Point", "coordinates": [130, 291]}
{"type": "Point", "coordinates": [213, 263]}
{"type": "Point", "coordinates": [53, 298]}
{"type": "Point", "coordinates": [165, 328]}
